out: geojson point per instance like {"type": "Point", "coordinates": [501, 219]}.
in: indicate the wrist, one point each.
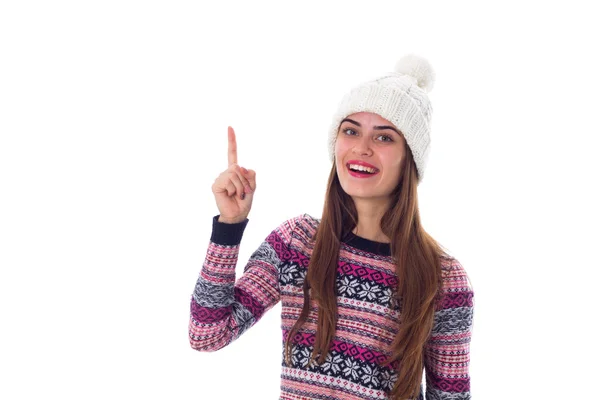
{"type": "Point", "coordinates": [230, 220]}
{"type": "Point", "coordinates": [227, 232]}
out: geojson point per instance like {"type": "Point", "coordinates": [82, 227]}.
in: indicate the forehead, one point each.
{"type": "Point", "coordinates": [369, 118]}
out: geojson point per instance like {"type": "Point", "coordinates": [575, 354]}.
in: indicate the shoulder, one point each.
{"type": "Point", "coordinates": [302, 220]}
{"type": "Point", "coordinates": [309, 221]}
{"type": "Point", "coordinates": [453, 272]}
{"type": "Point", "coordinates": [453, 318]}
{"type": "Point", "coordinates": [455, 286]}
{"type": "Point", "coordinates": [304, 225]}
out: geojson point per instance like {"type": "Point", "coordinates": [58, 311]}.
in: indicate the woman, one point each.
{"type": "Point", "coordinates": [369, 299]}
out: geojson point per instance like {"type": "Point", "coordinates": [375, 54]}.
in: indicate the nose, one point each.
{"type": "Point", "coordinates": [362, 147]}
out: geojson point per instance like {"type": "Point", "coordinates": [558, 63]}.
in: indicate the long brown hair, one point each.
{"type": "Point", "coordinates": [417, 258]}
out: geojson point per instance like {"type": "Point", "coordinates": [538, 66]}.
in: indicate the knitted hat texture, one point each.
{"type": "Point", "coordinates": [401, 98]}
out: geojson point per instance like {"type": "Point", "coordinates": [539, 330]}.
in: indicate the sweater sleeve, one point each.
{"type": "Point", "coordinates": [221, 308]}
{"type": "Point", "coordinates": [447, 350]}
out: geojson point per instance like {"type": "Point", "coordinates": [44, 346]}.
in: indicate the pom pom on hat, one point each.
{"type": "Point", "coordinates": [418, 68]}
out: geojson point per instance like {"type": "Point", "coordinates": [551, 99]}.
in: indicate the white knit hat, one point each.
{"type": "Point", "coordinates": [401, 98]}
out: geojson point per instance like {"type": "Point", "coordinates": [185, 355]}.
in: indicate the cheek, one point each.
{"type": "Point", "coordinates": [393, 162]}
{"type": "Point", "coordinates": [341, 146]}
{"type": "Point", "coordinates": [337, 152]}
{"type": "Point", "coordinates": [340, 150]}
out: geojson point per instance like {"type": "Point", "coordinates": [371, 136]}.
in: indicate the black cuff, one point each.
{"type": "Point", "coordinates": [227, 234]}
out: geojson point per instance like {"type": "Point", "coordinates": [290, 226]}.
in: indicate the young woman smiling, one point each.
{"type": "Point", "coordinates": [369, 299]}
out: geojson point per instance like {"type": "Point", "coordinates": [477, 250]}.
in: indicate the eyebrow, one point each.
{"type": "Point", "coordinates": [379, 128]}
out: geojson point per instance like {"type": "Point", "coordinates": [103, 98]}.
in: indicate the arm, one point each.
{"type": "Point", "coordinates": [447, 350]}
{"type": "Point", "coordinates": [221, 308]}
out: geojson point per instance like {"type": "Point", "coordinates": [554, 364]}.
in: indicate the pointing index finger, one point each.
{"type": "Point", "coordinates": [232, 147]}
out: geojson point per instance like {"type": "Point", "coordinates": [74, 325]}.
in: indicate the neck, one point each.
{"type": "Point", "coordinates": [369, 220]}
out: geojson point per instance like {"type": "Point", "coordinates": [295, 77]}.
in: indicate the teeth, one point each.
{"type": "Point", "coordinates": [362, 168]}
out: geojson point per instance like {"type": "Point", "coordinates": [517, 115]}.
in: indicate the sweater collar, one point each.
{"type": "Point", "coordinates": [379, 248]}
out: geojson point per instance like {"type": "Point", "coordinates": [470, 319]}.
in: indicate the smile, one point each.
{"type": "Point", "coordinates": [361, 171]}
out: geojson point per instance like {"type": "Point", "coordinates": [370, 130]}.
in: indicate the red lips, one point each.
{"type": "Point", "coordinates": [357, 174]}
{"type": "Point", "coordinates": [364, 164]}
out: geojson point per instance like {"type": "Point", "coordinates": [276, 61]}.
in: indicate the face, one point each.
{"type": "Point", "coordinates": [368, 140]}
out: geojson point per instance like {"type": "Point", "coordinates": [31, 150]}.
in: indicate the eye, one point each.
{"type": "Point", "coordinates": [387, 138]}
{"type": "Point", "coordinates": [352, 131]}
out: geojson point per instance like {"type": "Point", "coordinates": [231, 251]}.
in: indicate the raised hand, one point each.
{"type": "Point", "coordinates": [234, 188]}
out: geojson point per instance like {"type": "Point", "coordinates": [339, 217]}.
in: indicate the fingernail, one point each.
{"type": "Point", "coordinates": [243, 195]}
{"type": "Point", "coordinates": [245, 170]}
{"type": "Point", "coordinates": [248, 189]}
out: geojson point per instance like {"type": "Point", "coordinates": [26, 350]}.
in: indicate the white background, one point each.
{"type": "Point", "coordinates": [113, 123]}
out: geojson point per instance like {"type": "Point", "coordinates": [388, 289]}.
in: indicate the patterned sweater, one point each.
{"type": "Point", "coordinates": [222, 309]}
